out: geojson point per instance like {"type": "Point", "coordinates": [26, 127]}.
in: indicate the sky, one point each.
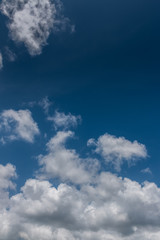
{"type": "Point", "coordinates": [79, 120]}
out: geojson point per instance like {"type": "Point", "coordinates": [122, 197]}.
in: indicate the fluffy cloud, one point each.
{"type": "Point", "coordinates": [7, 173]}
{"type": "Point", "coordinates": [65, 164]}
{"type": "Point", "coordinates": [16, 125]}
{"type": "Point", "coordinates": [1, 61]}
{"type": "Point", "coordinates": [85, 203]}
{"type": "Point", "coordinates": [117, 150]}
{"type": "Point", "coordinates": [113, 208]}
{"type": "Point", "coordinates": [31, 22]}
{"type": "Point", "coordinates": [62, 120]}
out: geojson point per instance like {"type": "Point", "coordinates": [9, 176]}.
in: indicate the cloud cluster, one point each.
{"type": "Point", "coordinates": [113, 208]}
{"type": "Point", "coordinates": [31, 22]}
{"type": "Point", "coordinates": [117, 150]}
{"type": "Point", "coordinates": [16, 125]}
{"type": "Point", "coordinates": [71, 198]}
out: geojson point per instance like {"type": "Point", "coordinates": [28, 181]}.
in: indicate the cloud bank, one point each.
{"type": "Point", "coordinates": [71, 198]}
{"type": "Point", "coordinates": [113, 208]}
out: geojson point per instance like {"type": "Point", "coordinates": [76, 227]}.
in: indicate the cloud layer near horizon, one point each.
{"type": "Point", "coordinates": [86, 203]}
{"type": "Point", "coordinates": [112, 208]}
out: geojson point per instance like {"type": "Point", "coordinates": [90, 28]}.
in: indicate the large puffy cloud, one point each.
{"type": "Point", "coordinates": [85, 204]}
{"type": "Point", "coordinates": [117, 150]}
{"type": "Point", "coordinates": [113, 208]}
{"type": "Point", "coordinates": [63, 163]}
{"type": "Point", "coordinates": [17, 125]}
{"type": "Point", "coordinates": [31, 21]}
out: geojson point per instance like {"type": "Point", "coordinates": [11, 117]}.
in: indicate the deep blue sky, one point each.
{"type": "Point", "coordinates": [79, 119]}
{"type": "Point", "coordinates": [107, 71]}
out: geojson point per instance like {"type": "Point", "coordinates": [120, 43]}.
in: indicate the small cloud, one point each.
{"type": "Point", "coordinates": [146, 170]}
{"type": "Point", "coordinates": [11, 56]}
{"type": "Point", "coordinates": [1, 61]}
{"type": "Point", "coordinates": [62, 120]}
{"type": "Point", "coordinates": [17, 125]}
{"type": "Point", "coordinates": [45, 103]}
{"type": "Point", "coordinates": [117, 150]}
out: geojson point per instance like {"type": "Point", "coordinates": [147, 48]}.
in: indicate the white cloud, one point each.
{"type": "Point", "coordinates": [1, 61]}
{"type": "Point", "coordinates": [63, 163]}
{"type": "Point", "coordinates": [102, 205]}
{"type": "Point", "coordinates": [111, 209]}
{"type": "Point", "coordinates": [62, 120]}
{"type": "Point", "coordinates": [31, 22]}
{"type": "Point", "coordinates": [146, 170]}
{"type": "Point", "coordinates": [16, 125]}
{"type": "Point", "coordinates": [117, 150]}
{"type": "Point", "coordinates": [6, 173]}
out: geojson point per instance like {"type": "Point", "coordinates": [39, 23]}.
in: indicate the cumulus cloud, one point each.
{"type": "Point", "coordinates": [16, 125]}
{"type": "Point", "coordinates": [85, 203]}
{"type": "Point", "coordinates": [62, 120]}
{"type": "Point", "coordinates": [31, 22]}
{"type": "Point", "coordinates": [117, 150]}
{"type": "Point", "coordinates": [7, 174]}
{"type": "Point", "coordinates": [1, 61]}
{"type": "Point", "coordinates": [113, 208]}
{"type": "Point", "coordinates": [65, 164]}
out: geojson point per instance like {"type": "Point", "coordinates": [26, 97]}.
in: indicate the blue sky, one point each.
{"type": "Point", "coordinates": [79, 120]}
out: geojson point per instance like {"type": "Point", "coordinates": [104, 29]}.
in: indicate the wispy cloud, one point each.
{"type": "Point", "coordinates": [16, 125]}
{"type": "Point", "coordinates": [45, 103]}
{"type": "Point", "coordinates": [116, 150]}
{"type": "Point", "coordinates": [1, 61]}
{"type": "Point", "coordinates": [10, 55]}
{"type": "Point", "coordinates": [146, 170]}
{"type": "Point", "coordinates": [65, 121]}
